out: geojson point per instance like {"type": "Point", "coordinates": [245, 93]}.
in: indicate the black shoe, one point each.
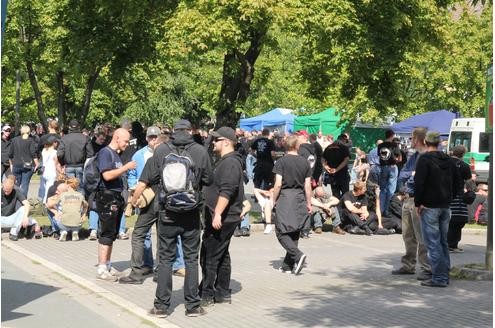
{"type": "Point", "coordinates": [146, 271]}
{"type": "Point", "coordinates": [356, 231]}
{"type": "Point", "coordinates": [402, 270]}
{"type": "Point", "coordinates": [224, 300]}
{"type": "Point", "coordinates": [130, 281]}
{"type": "Point", "coordinates": [429, 283]}
{"type": "Point", "coordinates": [424, 276]}
{"type": "Point", "coordinates": [206, 302]}
{"type": "Point", "coordinates": [155, 277]}
{"type": "Point", "coordinates": [245, 232]}
{"type": "Point", "coordinates": [300, 264]}
{"type": "Point", "coordinates": [368, 231]}
{"type": "Point", "coordinates": [196, 312]}
{"type": "Point", "coordinates": [159, 313]}
{"type": "Point", "coordinates": [13, 237]}
{"type": "Point", "coordinates": [237, 232]}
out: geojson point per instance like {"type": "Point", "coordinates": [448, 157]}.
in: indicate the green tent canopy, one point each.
{"type": "Point", "coordinates": [326, 122]}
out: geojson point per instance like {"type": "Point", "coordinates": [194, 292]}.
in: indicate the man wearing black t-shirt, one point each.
{"type": "Point", "coordinates": [335, 159]}
{"type": "Point", "coordinates": [354, 206]}
{"type": "Point", "coordinates": [109, 201]}
{"type": "Point", "coordinates": [264, 151]}
{"type": "Point", "coordinates": [389, 154]}
{"type": "Point", "coordinates": [292, 193]}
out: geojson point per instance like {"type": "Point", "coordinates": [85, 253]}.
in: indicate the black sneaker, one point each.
{"type": "Point", "coordinates": [402, 270]}
{"type": "Point", "coordinates": [245, 232]}
{"type": "Point", "coordinates": [130, 281]}
{"type": "Point", "coordinates": [196, 312]}
{"type": "Point", "coordinates": [423, 275]}
{"type": "Point", "coordinates": [13, 237]}
{"type": "Point", "coordinates": [158, 313]}
{"type": "Point", "coordinates": [300, 264]}
{"type": "Point", "coordinates": [237, 232]}
{"type": "Point", "coordinates": [368, 231]}
{"type": "Point", "coordinates": [429, 283]}
{"type": "Point", "coordinates": [206, 302]}
{"type": "Point", "coordinates": [223, 299]}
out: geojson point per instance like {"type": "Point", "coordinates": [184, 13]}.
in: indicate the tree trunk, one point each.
{"type": "Point", "coordinates": [238, 73]}
{"type": "Point", "coordinates": [61, 95]}
{"type": "Point", "coordinates": [37, 94]}
{"type": "Point", "coordinates": [90, 85]}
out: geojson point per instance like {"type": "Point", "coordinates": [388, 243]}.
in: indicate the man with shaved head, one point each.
{"type": "Point", "coordinates": [109, 201]}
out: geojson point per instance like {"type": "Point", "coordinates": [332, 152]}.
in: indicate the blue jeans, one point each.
{"type": "Point", "coordinates": [148, 251]}
{"type": "Point", "coordinates": [76, 171]}
{"type": "Point", "coordinates": [245, 222]}
{"type": "Point", "coordinates": [318, 219]}
{"type": "Point", "coordinates": [93, 220]}
{"type": "Point", "coordinates": [388, 183]}
{"type": "Point", "coordinates": [22, 178]}
{"type": "Point", "coordinates": [14, 221]}
{"type": "Point", "coordinates": [250, 163]}
{"type": "Point", "coordinates": [435, 226]}
{"type": "Point", "coordinates": [122, 224]}
{"type": "Point", "coordinates": [41, 189]}
{"type": "Point", "coordinates": [67, 228]}
{"type": "Point", "coordinates": [53, 222]}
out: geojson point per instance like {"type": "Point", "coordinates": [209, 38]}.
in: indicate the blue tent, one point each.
{"type": "Point", "coordinates": [439, 121]}
{"type": "Point", "coordinates": [281, 119]}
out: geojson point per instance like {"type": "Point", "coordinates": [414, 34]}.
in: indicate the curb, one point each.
{"type": "Point", "coordinates": [100, 291]}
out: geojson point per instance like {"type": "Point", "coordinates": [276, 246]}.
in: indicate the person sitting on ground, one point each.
{"type": "Point", "coordinates": [265, 200]}
{"type": "Point", "coordinates": [354, 209]}
{"type": "Point", "coordinates": [69, 209]}
{"type": "Point", "coordinates": [243, 227]}
{"type": "Point", "coordinates": [378, 227]}
{"type": "Point", "coordinates": [394, 221]}
{"type": "Point", "coordinates": [324, 208]}
{"type": "Point", "coordinates": [17, 219]}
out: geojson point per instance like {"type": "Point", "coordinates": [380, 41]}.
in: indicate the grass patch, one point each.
{"type": "Point", "coordinates": [475, 226]}
{"type": "Point", "coordinates": [147, 323]}
{"type": "Point", "coordinates": [35, 262]}
{"type": "Point", "coordinates": [458, 273]}
{"type": "Point", "coordinates": [44, 221]}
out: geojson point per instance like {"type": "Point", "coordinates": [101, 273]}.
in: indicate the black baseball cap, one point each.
{"type": "Point", "coordinates": [225, 132]}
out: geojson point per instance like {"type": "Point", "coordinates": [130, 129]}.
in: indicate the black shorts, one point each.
{"type": "Point", "coordinates": [263, 176]}
{"type": "Point", "coordinates": [110, 207]}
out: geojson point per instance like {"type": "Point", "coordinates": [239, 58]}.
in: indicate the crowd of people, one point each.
{"type": "Point", "coordinates": [186, 181]}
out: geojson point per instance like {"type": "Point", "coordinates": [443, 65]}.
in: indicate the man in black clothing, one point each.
{"type": "Point", "coordinates": [354, 207]}
{"type": "Point", "coordinates": [306, 149]}
{"type": "Point", "coordinates": [389, 154]}
{"type": "Point", "coordinates": [222, 215]}
{"type": "Point", "coordinates": [6, 130]}
{"type": "Point", "coordinates": [172, 224]}
{"type": "Point", "coordinates": [335, 159]}
{"type": "Point", "coordinates": [73, 151]}
{"type": "Point", "coordinates": [318, 169]}
{"type": "Point", "coordinates": [265, 152]}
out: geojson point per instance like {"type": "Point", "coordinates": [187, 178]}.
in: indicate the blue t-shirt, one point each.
{"type": "Point", "coordinates": [108, 159]}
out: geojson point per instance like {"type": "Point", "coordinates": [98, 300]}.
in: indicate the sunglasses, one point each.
{"type": "Point", "coordinates": [219, 139]}
{"type": "Point", "coordinates": [7, 130]}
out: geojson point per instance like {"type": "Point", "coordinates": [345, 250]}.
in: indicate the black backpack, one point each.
{"type": "Point", "coordinates": [180, 180]}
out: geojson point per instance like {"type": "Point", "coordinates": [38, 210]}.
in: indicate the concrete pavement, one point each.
{"type": "Point", "coordinates": [347, 283]}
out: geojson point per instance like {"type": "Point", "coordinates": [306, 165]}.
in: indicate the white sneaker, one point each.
{"type": "Point", "coordinates": [75, 236]}
{"type": "Point", "coordinates": [114, 272]}
{"type": "Point", "coordinates": [63, 236]}
{"type": "Point", "coordinates": [268, 229]}
{"type": "Point", "coordinates": [92, 235]}
{"type": "Point", "coordinates": [105, 275]}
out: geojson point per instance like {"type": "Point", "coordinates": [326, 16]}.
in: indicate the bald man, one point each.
{"type": "Point", "coordinates": [109, 201]}
{"type": "Point", "coordinates": [16, 219]}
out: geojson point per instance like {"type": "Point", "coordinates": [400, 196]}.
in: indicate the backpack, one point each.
{"type": "Point", "coordinates": [91, 175]}
{"type": "Point", "coordinates": [180, 183]}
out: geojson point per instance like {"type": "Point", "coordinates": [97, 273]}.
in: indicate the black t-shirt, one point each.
{"type": "Point", "coordinates": [357, 201]}
{"type": "Point", "coordinates": [44, 139]}
{"type": "Point", "coordinates": [388, 152]}
{"type": "Point", "coordinates": [308, 151]}
{"type": "Point", "coordinates": [334, 154]}
{"type": "Point", "coordinates": [294, 169]}
{"type": "Point", "coordinates": [263, 147]}
{"type": "Point", "coordinates": [9, 202]}
{"type": "Point", "coordinates": [108, 160]}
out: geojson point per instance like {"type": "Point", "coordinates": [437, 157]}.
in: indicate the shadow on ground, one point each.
{"type": "Point", "coordinates": [17, 293]}
{"type": "Point", "coordinates": [375, 298]}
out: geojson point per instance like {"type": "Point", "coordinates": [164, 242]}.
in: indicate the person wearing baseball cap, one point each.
{"type": "Point", "coordinates": [224, 200]}
{"type": "Point", "coordinates": [173, 224]}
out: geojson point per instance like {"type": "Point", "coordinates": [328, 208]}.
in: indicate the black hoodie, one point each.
{"type": "Point", "coordinates": [434, 180]}
{"type": "Point", "coordinates": [227, 182]}
{"type": "Point", "coordinates": [151, 174]}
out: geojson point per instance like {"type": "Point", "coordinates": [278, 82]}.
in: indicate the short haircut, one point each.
{"type": "Point", "coordinates": [420, 134]}
{"type": "Point", "coordinates": [342, 137]}
{"type": "Point", "coordinates": [389, 133]}
{"type": "Point", "coordinates": [459, 151]}
{"type": "Point", "coordinates": [313, 137]}
{"type": "Point", "coordinates": [359, 186]}
{"type": "Point", "coordinates": [162, 138]}
{"type": "Point", "coordinates": [265, 132]}
{"type": "Point", "coordinates": [292, 142]}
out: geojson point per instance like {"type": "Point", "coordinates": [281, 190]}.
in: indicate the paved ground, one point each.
{"type": "Point", "coordinates": [346, 283]}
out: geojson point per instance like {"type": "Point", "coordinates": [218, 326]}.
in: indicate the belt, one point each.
{"type": "Point", "coordinates": [74, 165]}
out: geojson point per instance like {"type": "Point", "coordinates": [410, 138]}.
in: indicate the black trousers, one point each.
{"type": "Point", "coordinates": [454, 234]}
{"type": "Point", "coordinates": [353, 219]}
{"type": "Point", "coordinates": [289, 242]}
{"type": "Point", "coordinates": [187, 226]}
{"type": "Point", "coordinates": [147, 217]}
{"type": "Point", "coordinates": [5, 170]}
{"type": "Point", "coordinates": [215, 259]}
{"type": "Point", "coordinates": [110, 207]}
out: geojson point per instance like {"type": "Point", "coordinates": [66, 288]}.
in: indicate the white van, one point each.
{"type": "Point", "coordinates": [470, 132]}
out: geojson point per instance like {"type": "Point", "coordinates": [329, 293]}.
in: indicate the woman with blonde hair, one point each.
{"type": "Point", "coordinates": [23, 158]}
{"type": "Point", "coordinates": [51, 166]}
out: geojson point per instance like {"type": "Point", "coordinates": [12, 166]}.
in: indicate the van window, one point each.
{"type": "Point", "coordinates": [460, 138]}
{"type": "Point", "coordinates": [484, 142]}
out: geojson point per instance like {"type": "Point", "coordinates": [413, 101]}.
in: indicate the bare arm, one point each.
{"type": "Point", "coordinates": [137, 192]}
{"type": "Point", "coordinates": [352, 208]}
{"type": "Point", "coordinates": [307, 190]}
{"type": "Point", "coordinates": [115, 173]}
{"type": "Point", "coordinates": [277, 187]}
